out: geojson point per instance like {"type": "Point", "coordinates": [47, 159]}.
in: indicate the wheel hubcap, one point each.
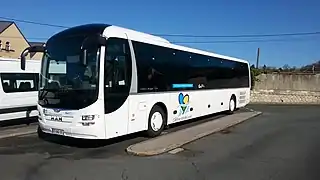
{"type": "Point", "coordinates": [156, 121]}
{"type": "Point", "coordinates": [231, 105]}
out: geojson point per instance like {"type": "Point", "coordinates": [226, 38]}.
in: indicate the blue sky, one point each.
{"type": "Point", "coordinates": [197, 17]}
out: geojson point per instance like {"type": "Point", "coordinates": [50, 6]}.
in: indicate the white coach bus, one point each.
{"type": "Point", "coordinates": [114, 81]}
{"type": "Point", "coordinates": [18, 89]}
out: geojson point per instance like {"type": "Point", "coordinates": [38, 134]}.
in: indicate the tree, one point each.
{"type": "Point", "coordinates": [264, 68]}
{"type": "Point", "coordinates": [254, 74]}
{"type": "Point", "coordinates": [286, 67]}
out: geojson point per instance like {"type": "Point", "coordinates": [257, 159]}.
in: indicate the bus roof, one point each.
{"type": "Point", "coordinates": [115, 31]}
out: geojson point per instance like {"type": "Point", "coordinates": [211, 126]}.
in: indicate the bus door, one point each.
{"type": "Point", "coordinates": [117, 79]}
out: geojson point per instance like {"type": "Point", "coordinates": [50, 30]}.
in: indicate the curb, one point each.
{"type": "Point", "coordinates": [130, 151]}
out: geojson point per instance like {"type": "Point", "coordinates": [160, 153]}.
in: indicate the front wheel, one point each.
{"type": "Point", "coordinates": [40, 133]}
{"type": "Point", "coordinates": [157, 121]}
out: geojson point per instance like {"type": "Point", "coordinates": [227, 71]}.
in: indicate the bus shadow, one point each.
{"type": "Point", "coordinates": [87, 143]}
{"type": "Point", "coordinates": [130, 139]}
{"type": "Point", "coordinates": [193, 122]}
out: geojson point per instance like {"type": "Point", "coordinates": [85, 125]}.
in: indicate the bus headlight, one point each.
{"type": "Point", "coordinates": [88, 117]}
{"type": "Point", "coordinates": [44, 111]}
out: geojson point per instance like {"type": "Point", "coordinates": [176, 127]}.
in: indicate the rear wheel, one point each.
{"type": "Point", "coordinates": [232, 105]}
{"type": "Point", "coordinates": [157, 121]}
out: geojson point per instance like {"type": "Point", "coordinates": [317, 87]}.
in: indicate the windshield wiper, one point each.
{"type": "Point", "coordinates": [43, 100]}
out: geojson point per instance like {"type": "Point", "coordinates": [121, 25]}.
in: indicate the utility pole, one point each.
{"type": "Point", "coordinates": [258, 56]}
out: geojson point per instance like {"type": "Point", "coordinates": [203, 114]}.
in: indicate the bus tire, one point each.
{"type": "Point", "coordinates": [40, 133]}
{"type": "Point", "coordinates": [232, 105]}
{"type": "Point", "coordinates": [156, 122]}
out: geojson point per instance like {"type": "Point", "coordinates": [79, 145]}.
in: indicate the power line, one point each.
{"type": "Point", "coordinates": [33, 22]}
{"type": "Point", "coordinates": [183, 35]}
{"type": "Point", "coordinates": [17, 37]}
{"type": "Point", "coordinates": [205, 42]}
{"type": "Point", "coordinates": [243, 35]}
{"type": "Point", "coordinates": [240, 41]}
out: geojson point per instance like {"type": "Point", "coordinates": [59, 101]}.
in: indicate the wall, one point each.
{"type": "Point", "coordinates": [285, 97]}
{"type": "Point", "coordinates": [281, 82]}
{"type": "Point", "coordinates": [287, 89]}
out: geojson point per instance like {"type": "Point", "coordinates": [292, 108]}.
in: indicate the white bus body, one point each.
{"type": "Point", "coordinates": [18, 89]}
{"type": "Point", "coordinates": [136, 82]}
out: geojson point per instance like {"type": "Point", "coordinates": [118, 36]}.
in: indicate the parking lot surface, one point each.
{"type": "Point", "coordinates": [282, 143]}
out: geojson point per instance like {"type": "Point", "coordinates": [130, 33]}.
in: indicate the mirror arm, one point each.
{"type": "Point", "coordinates": [23, 55]}
{"type": "Point", "coordinates": [26, 51]}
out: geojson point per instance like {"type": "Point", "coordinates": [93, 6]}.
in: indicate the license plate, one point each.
{"type": "Point", "coordinates": [57, 131]}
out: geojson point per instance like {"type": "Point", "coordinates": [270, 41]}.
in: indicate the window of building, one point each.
{"type": "Point", "coordinates": [7, 48]}
{"type": "Point", "coordinates": [19, 82]}
{"type": "Point", "coordinates": [0, 45]}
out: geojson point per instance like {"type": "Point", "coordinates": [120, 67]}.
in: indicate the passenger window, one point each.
{"type": "Point", "coordinates": [159, 68]}
{"type": "Point", "coordinates": [20, 82]}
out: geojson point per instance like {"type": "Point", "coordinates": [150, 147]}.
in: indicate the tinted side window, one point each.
{"type": "Point", "coordinates": [151, 67]}
{"type": "Point", "coordinates": [229, 79]}
{"type": "Point", "coordinates": [185, 72]}
{"type": "Point", "coordinates": [227, 74]}
{"type": "Point", "coordinates": [19, 82]}
{"type": "Point", "coordinates": [160, 69]}
{"type": "Point", "coordinates": [199, 69]}
{"type": "Point", "coordinates": [245, 71]}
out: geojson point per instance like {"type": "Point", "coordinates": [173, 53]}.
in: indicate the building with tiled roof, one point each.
{"type": "Point", "coordinates": [13, 42]}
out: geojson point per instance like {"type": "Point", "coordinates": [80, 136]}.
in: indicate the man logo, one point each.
{"type": "Point", "coordinates": [56, 118]}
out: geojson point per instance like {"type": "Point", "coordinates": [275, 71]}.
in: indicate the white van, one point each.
{"type": "Point", "coordinates": [18, 89]}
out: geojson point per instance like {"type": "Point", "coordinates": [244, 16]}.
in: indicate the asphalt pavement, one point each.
{"type": "Point", "coordinates": [282, 143]}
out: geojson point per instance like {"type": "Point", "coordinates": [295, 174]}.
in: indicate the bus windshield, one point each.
{"type": "Point", "coordinates": [64, 81]}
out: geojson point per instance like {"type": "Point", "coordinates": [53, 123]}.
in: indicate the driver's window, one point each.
{"type": "Point", "coordinates": [117, 64]}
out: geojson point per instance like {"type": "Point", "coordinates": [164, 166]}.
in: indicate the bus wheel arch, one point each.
{"type": "Point", "coordinates": [232, 105]}
{"type": "Point", "coordinates": [157, 119]}
{"type": "Point", "coordinates": [41, 134]}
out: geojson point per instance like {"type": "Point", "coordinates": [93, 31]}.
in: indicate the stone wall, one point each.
{"type": "Point", "coordinates": [285, 97]}
{"type": "Point", "coordinates": [292, 82]}
{"type": "Point", "coordinates": [287, 89]}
